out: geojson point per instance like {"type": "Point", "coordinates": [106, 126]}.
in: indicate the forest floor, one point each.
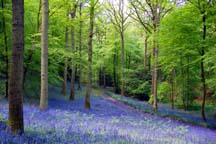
{"type": "Point", "coordinates": [108, 121]}
{"type": "Point", "coordinates": [164, 110]}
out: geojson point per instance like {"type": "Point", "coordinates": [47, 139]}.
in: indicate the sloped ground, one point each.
{"type": "Point", "coordinates": [165, 111]}
{"type": "Point", "coordinates": [107, 122]}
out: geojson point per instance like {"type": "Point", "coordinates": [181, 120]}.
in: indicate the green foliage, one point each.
{"type": "Point", "coordinates": [164, 92]}
{"type": "Point", "coordinates": [180, 41]}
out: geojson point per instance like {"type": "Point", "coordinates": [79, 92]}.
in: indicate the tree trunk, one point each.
{"type": "Point", "coordinates": [89, 68]}
{"type": "Point", "coordinates": [64, 84]}
{"type": "Point", "coordinates": [203, 80]}
{"type": "Point", "coordinates": [172, 95]}
{"type": "Point", "coordinates": [72, 92]}
{"type": "Point", "coordinates": [172, 89]}
{"type": "Point", "coordinates": [16, 72]}
{"type": "Point", "coordinates": [114, 73]}
{"type": "Point", "coordinates": [6, 50]}
{"type": "Point", "coordinates": [80, 48]}
{"type": "Point", "coordinates": [145, 53]}
{"type": "Point", "coordinates": [155, 79]}
{"type": "Point", "coordinates": [104, 77]}
{"type": "Point", "coordinates": [122, 65]}
{"type": "Point", "coordinates": [156, 47]}
{"type": "Point", "coordinates": [152, 71]}
{"type": "Point", "coordinates": [44, 55]}
{"type": "Point", "coordinates": [188, 84]}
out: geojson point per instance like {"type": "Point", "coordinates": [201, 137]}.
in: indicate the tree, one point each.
{"type": "Point", "coordinates": [80, 44]}
{"type": "Point", "coordinates": [203, 6]}
{"type": "Point", "coordinates": [179, 57]}
{"type": "Point", "coordinates": [64, 84]}
{"type": "Point", "coordinates": [154, 10]}
{"type": "Point", "coordinates": [73, 15]}
{"type": "Point", "coordinates": [119, 18]}
{"type": "Point", "coordinates": [44, 55]}
{"type": "Point", "coordinates": [16, 70]}
{"type": "Point", "coordinates": [142, 15]}
{"type": "Point", "coordinates": [93, 4]}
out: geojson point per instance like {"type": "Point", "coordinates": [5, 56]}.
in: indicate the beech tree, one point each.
{"type": "Point", "coordinates": [203, 6]}
{"type": "Point", "coordinates": [119, 15]}
{"type": "Point", "coordinates": [44, 55]}
{"type": "Point", "coordinates": [93, 4]}
{"type": "Point", "coordinates": [73, 15]}
{"type": "Point", "coordinates": [80, 44]}
{"type": "Point", "coordinates": [149, 14]}
{"type": "Point", "coordinates": [64, 84]}
{"type": "Point", "coordinates": [16, 70]}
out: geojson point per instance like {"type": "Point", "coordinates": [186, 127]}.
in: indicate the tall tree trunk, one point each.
{"type": "Point", "coordinates": [172, 94]}
{"type": "Point", "coordinates": [114, 73]}
{"type": "Point", "coordinates": [80, 48]}
{"type": "Point", "coordinates": [156, 47]}
{"type": "Point", "coordinates": [155, 79]}
{"type": "Point", "coordinates": [16, 71]}
{"type": "Point", "coordinates": [89, 68]}
{"type": "Point", "coordinates": [64, 84]}
{"type": "Point", "coordinates": [122, 65]}
{"type": "Point", "coordinates": [72, 91]}
{"type": "Point", "coordinates": [44, 55]}
{"type": "Point", "coordinates": [145, 53]}
{"type": "Point", "coordinates": [183, 82]}
{"type": "Point", "coordinates": [99, 76]}
{"type": "Point", "coordinates": [188, 84]}
{"type": "Point", "coordinates": [6, 50]}
{"type": "Point", "coordinates": [152, 71]}
{"type": "Point", "coordinates": [104, 77]}
{"type": "Point", "coordinates": [173, 89]}
{"type": "Point", "coordinates": [203, 80]}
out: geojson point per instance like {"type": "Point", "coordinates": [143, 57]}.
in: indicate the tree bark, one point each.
{"type": "Point", "coordinates": [122, 65]}
{"type": "Point", "coordinates": [64, 84]}
{"type": "Point", "coordinates": [80, 48]}
{"type": "Point", "coordinates": [173, 89]}
{"type": "Point", "coordinates": [104, 77]}
{"type": "Point", "coordinates": [16, 72]}
{"type": "Point", "coordinates": [72, 92]}
{"type": "Point", "coordinates": [145, 53]}
{"type": "Point", "coordinates": [155, 79]}
{"type": "Point", "coordinates": [203, 80]}
{"type": "Point", "coordinates": [89, 68]}
{"type": "Point", "coordinates": [156, 22]}
{"type": "Point", "coordinates": [44, 55]}
{"type": "Point", "coordinates": [114, 72]}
